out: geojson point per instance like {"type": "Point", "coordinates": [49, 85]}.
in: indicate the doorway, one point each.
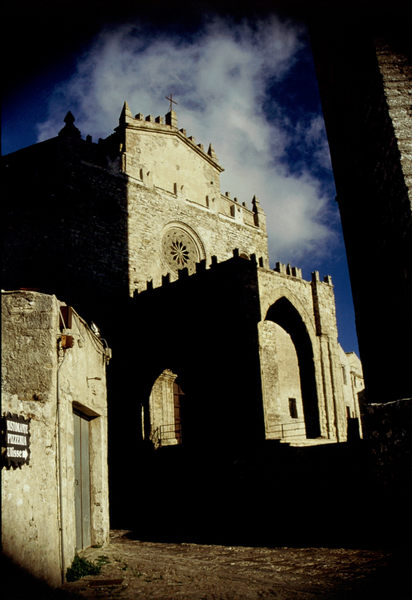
{"type": "Point", "coordinates": [82, 480]}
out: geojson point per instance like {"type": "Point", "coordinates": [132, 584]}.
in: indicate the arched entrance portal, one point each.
{"type": "Point", "coordinates": [168, 412]}
{"type": "Point", "coordinates": [284, 314]}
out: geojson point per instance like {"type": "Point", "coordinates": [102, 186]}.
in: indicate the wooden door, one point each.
{"type": "Point", "coordinates": [82, 481]}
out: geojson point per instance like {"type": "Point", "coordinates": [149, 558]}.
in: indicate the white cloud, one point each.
{"type": "Point", "coordinates": [220, 79]}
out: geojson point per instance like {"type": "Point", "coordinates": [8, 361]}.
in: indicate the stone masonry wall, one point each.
{"type": "Point", "coordinates": [173, 182]}
{"type": "Point", "coordinates": [171, 160]}
{"type": "Point", "coordinates": [396, 73]}
{"type": "Point", "coordinates": [282, 351]}
{"type": "Point", "coordinates": [314, 302]}
{"type": "Point", "coordinates": [387, 434]}
{"type": "Point", "coordinates": [64, 223]}
{"type": "Point", "coordinates": [365, 88]}
{"type": "Point", "coordinates": [280, 381]}
{"type": "Point", "coordinates": [90, 218]}
{"type": "Point", "coordinates": [151, 212]}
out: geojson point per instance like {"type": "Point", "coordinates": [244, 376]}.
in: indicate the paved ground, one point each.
{"type": "Point", "coordinates": [136, 570]}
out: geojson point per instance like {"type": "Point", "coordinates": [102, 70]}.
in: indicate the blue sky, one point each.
{"type": "Point", "coordinates": [247, 86]}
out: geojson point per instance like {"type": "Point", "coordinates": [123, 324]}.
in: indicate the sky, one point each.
{"type": "Point", "coordinates": [247, 85]}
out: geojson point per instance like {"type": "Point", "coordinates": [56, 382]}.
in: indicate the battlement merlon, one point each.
{"type": "Point", "coordinates": [167, 127]}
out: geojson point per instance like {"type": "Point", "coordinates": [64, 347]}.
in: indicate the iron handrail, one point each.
{"type": "Point", "coordinates": [288, 430]}
{"type": "Point", "coordinates": [164, 433]}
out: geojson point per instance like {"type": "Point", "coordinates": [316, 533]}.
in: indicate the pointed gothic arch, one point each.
{"type": "Point", "coordinates": [288, 317]}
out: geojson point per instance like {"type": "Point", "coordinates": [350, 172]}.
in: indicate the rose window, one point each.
{"type": "Point", "coordinates": [179, 249]}
{"type": "Point", "coordinates": [180, 253]}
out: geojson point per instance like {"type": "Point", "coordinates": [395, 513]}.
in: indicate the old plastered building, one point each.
{"type": "Point", "coordinates": [54, 434]}
{"type": "Point", "coordinates": [213, 349]}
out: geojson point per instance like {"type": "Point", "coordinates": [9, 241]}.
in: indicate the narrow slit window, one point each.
{"type": "Point", "coordinates": [293, 409]}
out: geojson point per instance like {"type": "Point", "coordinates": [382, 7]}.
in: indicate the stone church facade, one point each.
{"type": "Point", "coordinates": [173, 196]}
{"type": "Point", "coordinates": [141, 213]}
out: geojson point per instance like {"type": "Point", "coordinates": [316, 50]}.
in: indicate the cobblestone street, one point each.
{"type": "Point", "coordinates": [136, 570]}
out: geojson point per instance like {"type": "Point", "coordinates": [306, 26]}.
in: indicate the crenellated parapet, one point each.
{"type": "Point", "coordinates": [297, 336]}
{"type": "Point", "coordinates": [179, 164]}
{"type": "Point", "coordinates": [150, 162]}
{"type": "Point", "coordinates": [239, 211]}
{"type": "Point", "coordinates": [165, 125]}
{"type": "Point", "coordinates": [316, 278]}
{"type": "Point", "coordinates": [286, 269]}
{"type": "Point", "coordinates": [200, 267]}
{"type": "Point", "coordinates": [280, 268]}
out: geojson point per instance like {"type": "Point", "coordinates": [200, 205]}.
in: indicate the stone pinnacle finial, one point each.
{"type": "Point", "coordinates": [255, 204]}
{"type": "Point", "coordinates": [126, 112]}
{"type": "Point", "coordinates": [69, 130]}
{"type": "Point", "coordinates": [211, 152]}
{"type": "Point", "coordinates": [258, 211]}
{"type": "Point", "coordinates": [69, 119]}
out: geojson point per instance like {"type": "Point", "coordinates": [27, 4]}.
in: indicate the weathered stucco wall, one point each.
{"type": "Point", "coordinates": [30, 503]}
{"type": "Point", "coordinates": [45, 374]}
{"type": "Point", "coordinates": [82, 387]}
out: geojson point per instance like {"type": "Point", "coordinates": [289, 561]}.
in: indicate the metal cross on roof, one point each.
{"type": "Point", "coordinates": [171, 101]}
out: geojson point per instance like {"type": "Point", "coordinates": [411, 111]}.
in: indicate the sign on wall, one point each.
{"type": "Point", "coordinates": [15, 441]}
